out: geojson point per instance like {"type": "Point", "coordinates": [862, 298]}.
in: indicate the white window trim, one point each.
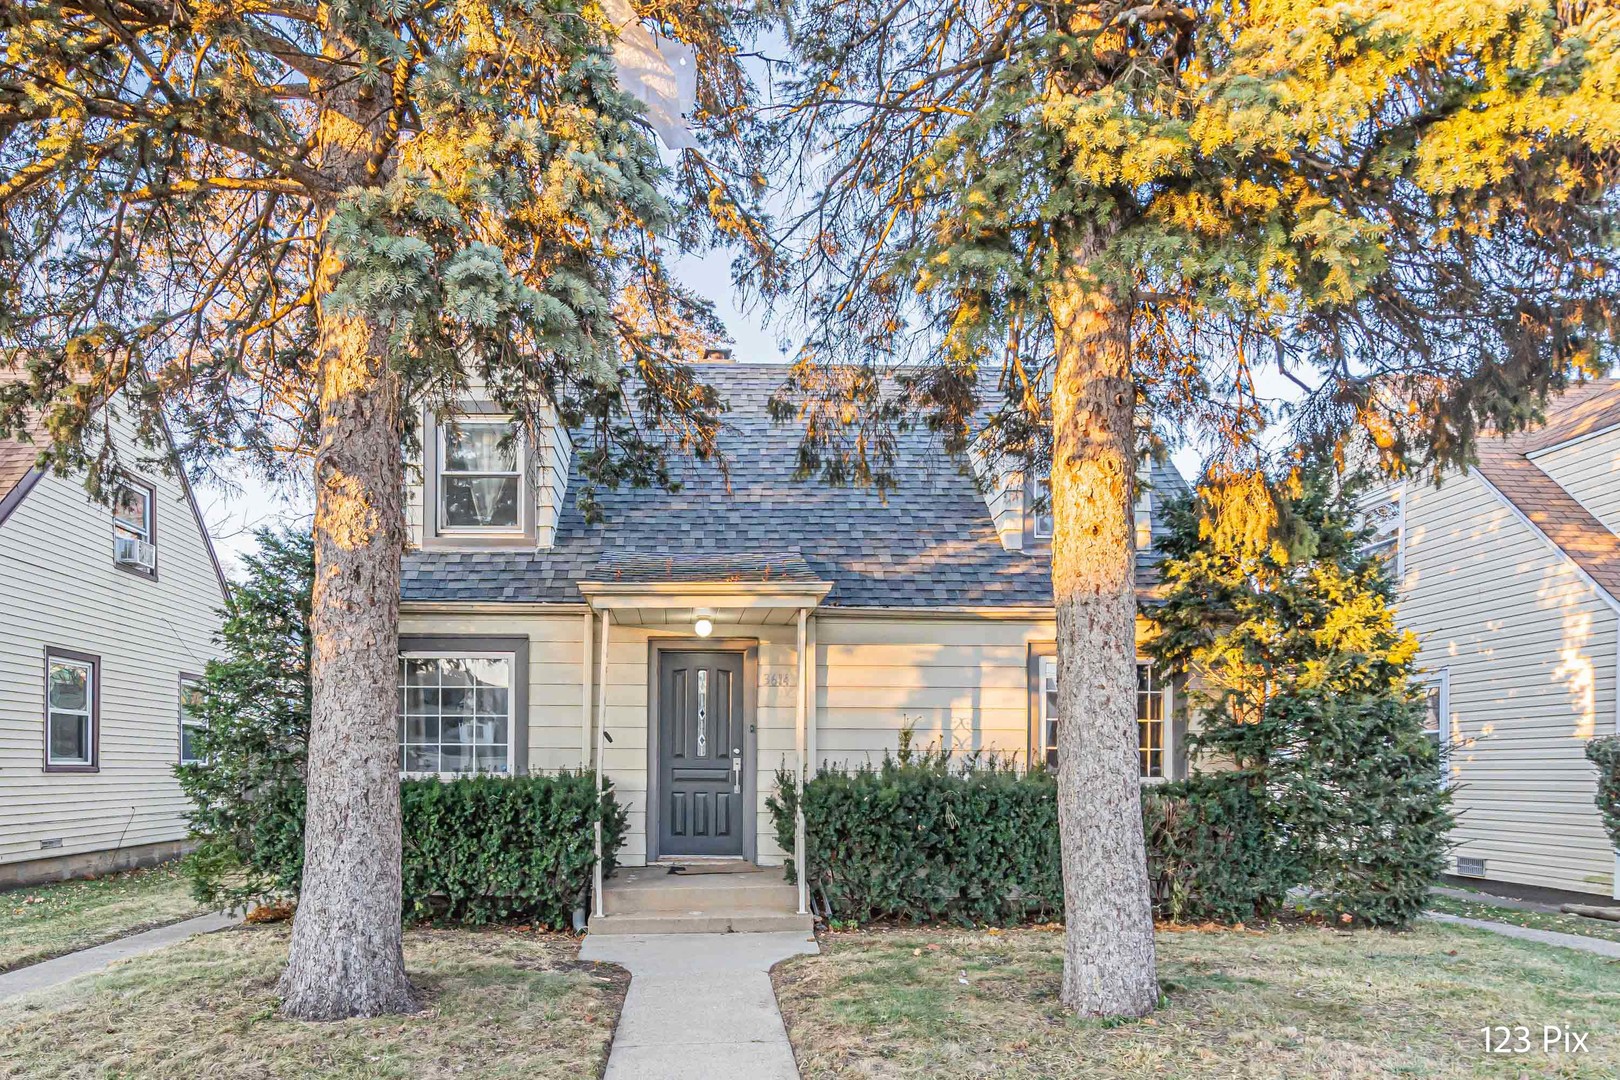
{"type": "Point", "coordinates": [1441, 679]}
{"type": "Point", "coordinates": [88, 712]}
{"type": "Point", "coordinates": [1397, 495]}
{"type": "Point", "coordinates": [143, 534]}
{"type": "Point", "coordinates": [518, 447]}
{"type": "Point", "coordinates": [1047, 669]}
{"type": "Point", "coordinates": [201, 725]}
{"type": "Point", "coordinates": [1036, 517]}
{"type": "Point", "coordinates": [511, 698]}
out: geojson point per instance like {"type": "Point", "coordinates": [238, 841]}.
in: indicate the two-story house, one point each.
{"type": "Point", "coordinates": [1510, 575]}
{"type": "Point", "coordinates": [108, 614]}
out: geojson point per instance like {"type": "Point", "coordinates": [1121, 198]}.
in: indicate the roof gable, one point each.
{"type": "Point", "coordinates": [1509, 466]}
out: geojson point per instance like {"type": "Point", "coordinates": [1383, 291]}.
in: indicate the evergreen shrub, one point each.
{"type": "Point", "coordinates": [924, 839]}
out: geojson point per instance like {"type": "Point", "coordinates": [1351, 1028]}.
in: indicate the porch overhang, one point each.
{"type": "Point", "coordinates": [742, 589]}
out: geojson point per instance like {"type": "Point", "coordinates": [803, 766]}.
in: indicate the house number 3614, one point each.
{"type": "Point", "coordinates": [1552, 1039]}
{"type": "Point", "coordinates": [779, 678]}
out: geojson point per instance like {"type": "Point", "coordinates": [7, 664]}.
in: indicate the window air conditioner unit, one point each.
{"type": "Point", "coordinates": [137, 553]}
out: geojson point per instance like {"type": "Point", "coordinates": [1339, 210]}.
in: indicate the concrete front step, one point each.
{"type": "Point", "coordinates": [651, 900]}
{"type": "Point", "coordinates": [655, 891]}
{"type": "Point", "coordinates": [737, 923]}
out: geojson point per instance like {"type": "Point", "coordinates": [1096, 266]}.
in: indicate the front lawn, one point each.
{"type": "Point", "coordinates": [1298, 1002]}
{"type": "Point", "coordinates": [497, 1004]}
{"type": "Point", "coordinates": [49, 920]}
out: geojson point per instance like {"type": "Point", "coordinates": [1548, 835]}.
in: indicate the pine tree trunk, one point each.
{"type": "Point", "coordinates": [347, 957]}
{"type": "Point", "coordinates": [1108, 960]}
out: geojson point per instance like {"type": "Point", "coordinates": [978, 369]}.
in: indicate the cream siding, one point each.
{"type": "Point", "coordinates": [1589, 469]}
{"type": "Point", "coordinates": [958, 684]}
{"type": "Point", "coordinates": [1530, 649]}
{"type": "Point", "coordinates": [59, 587]}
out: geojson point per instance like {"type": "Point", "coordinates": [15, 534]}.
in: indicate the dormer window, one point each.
{"type": "Point", "coordinates": [480, 478]}
{"type": "Point", "coordinates": [1144, 519]}
{"type": "Point", "coordinates": [1040, 513]}
{"type": "Point", "coordinates": [134, 532]}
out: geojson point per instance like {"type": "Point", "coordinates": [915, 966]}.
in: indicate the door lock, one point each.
{"type": "Point", "coordinates": [736, 772]}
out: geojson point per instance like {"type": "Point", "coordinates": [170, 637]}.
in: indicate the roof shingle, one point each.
{"type": "Point", "coordinates": [1507, 466]}
{"type": "Point", "coordinates": [931, 542]}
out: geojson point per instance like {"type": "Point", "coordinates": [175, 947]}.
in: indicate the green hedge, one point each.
{"type": "Point", "coordinates": [477, 849]}
{"type": "Point", "coordinates": [1605, 754]}
{"type": "Point", "coordinates": [924, 840]}
{"type": "Point", "coordinates": [488, 848]}
{"type": "Point", "coordinates": [1212, 855]}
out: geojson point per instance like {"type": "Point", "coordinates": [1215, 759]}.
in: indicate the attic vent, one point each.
{"type": "Point", "coordinates": [1468, 866]}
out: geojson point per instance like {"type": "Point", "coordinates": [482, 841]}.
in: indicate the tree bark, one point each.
{"type": "Point", "coordinates": [347, 957]}
{"type": "Point", "coordinates": [1108, 959]}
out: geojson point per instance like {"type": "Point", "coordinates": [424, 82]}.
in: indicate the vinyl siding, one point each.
{"type": "Point", "coordinates": [1530, 649]}
{"type": "Point", "coordinates": [961, 685]}
{"type": "Point", "coordinates": [1589, 469]}
{"type": "Point", "coordinates": [58, 587]}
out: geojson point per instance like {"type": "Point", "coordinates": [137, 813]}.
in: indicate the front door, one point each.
{"type": "Point", "coordinates": [701, 730]}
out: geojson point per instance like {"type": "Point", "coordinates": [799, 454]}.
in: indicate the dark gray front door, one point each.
{"type": "Point", "coordinates": [701, 730]}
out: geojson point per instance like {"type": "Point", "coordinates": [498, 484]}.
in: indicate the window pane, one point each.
{"type": "Point", "coordinates": [421, 759]}
{"type": "Point", "coordinates": [70, 686]}
{"type": "Point", "coordinates": [70, 737]}
{"type": "Point", "coordinates": [475, 447]}
{"type": "Point", "coordinates": [191, 698]}
{"type": "Point", "coordinates": [188, 743]}
{"type": "Point", "coordinates": [132, 509]}
{"type": "Point", "coordinates": [460, 720]}
{"type": "Point", "coordinates": [474, 502]}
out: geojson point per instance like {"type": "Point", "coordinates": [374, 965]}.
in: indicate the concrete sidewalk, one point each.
{"type": "Point", "coordinates": [700, 1006]}
{"type": "Point", "coordinates": [1600, 946]}
{"type": "Point", "coordinates": [50, 973]}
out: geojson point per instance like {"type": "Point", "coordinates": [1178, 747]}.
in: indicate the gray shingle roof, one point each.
{"type": "Point", "coordinates": [931, 542]}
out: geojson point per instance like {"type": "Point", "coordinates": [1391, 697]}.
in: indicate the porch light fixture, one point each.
{"type": "Point", "coordinates": [704, 626]}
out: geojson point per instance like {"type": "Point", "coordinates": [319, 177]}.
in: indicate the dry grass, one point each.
{"type": "Point", "coordinates": [1482, 908]}
{"type": "Point", "coordinates": [1299, 1002]}
{"type": "Point", "coordinates": [498, 1004]}
{"type": "Point", "coordinates": [49, 920]}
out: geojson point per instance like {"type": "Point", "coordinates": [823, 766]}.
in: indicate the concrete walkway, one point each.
{"type": "Point", "coordinates": [1600, 946]}
{"type": "Point", "coordinates": [700, 1006]}
{"type": "Point", "coordinates": [93, 961]}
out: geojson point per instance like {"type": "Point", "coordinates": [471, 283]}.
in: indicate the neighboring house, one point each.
{"type": "Point", "coordinates": [1510, 575]}
{"type": "Point", "coordinates": [108, 614]}
{"type": "Point", "coordinates": [667, 638]}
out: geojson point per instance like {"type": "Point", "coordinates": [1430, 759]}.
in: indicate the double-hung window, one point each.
{"type": "Point", "coordinates": [1437, 714]}
{"type": "Point", "coordinates": [191, 720]}
{"type": "Point", "coordinates": [72, 704]}
{"type": "Point", "coordinates": [455, 713]}
{"type": "Point", "coordinates": [1040, 508]}
{"type": "Point", "coordinates": [1384, 516]}
{"type": "Point", "coordinates": [1152, 718]}
{"type": "Point", "coordinates": [479, 476]}
{"type": "Point", "coordinates": [134, 535]}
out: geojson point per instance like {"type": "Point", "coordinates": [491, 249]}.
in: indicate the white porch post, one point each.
{"type": "Point", "coordinates": [601, 729]}
{"type": "Point", "coordinates": [585, 691]}
{"type": "Point", "coordinates": [801, 741]}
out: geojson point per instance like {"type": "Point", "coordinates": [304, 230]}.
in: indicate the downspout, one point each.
{"type": "Point", "coordinates": [801, 743]}
{"type": "Point", "coordinates": [601, 730]}
{"type": "Point", "coordinates": [585, 692]}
